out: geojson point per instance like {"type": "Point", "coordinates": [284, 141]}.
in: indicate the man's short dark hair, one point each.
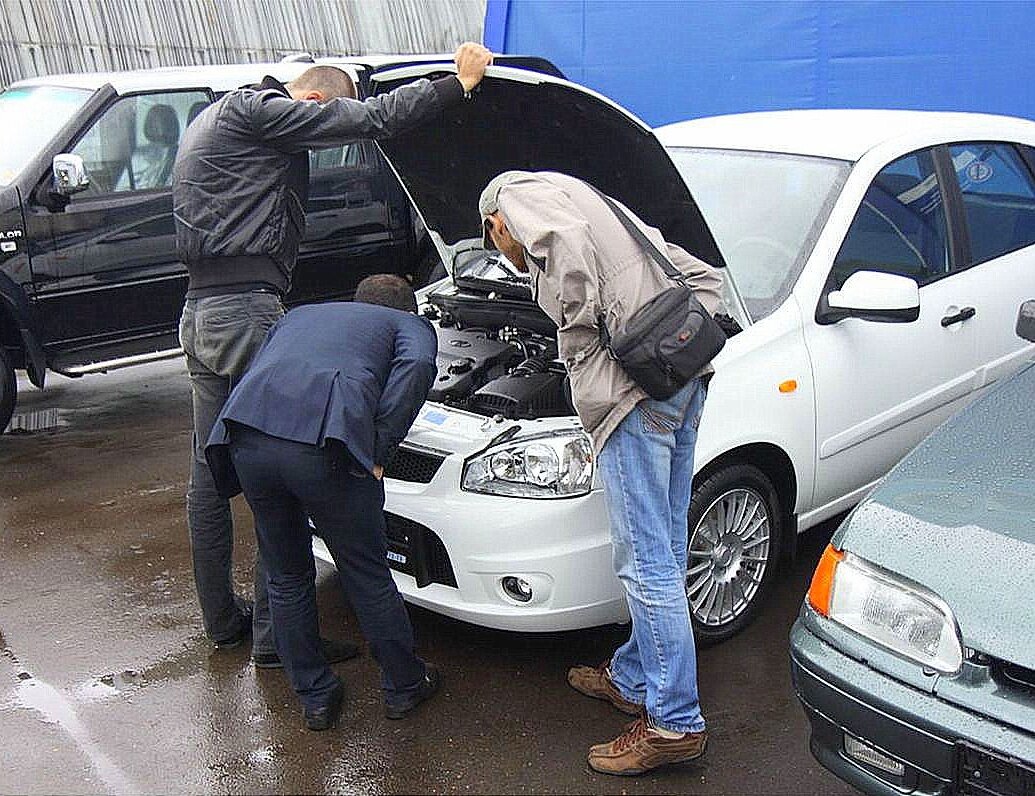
{"type": "Point", "coordinates": [330, 81]}
{"type": "Point", "coordinates": [388, 290]}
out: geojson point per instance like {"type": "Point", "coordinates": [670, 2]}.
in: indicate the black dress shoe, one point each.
{"type": "Point", "coordinates": [333, 651]}
{"type": "Point", "coordinates": [425, 691]}
{"type": "Point", "coordinates": [238, 638]}
{"type": "Point", "coordinates": [327, 715]}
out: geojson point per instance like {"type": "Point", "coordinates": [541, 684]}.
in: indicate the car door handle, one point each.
{"type": "Point", "coordinates": [121, 236]}
{"type": "Point", "coordinates": [964, 314]}
{"type": "Point", "coordinates": [358, 198]}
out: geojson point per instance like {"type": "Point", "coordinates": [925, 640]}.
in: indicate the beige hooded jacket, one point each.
{"type": "Point", "coordinates": [584, 262]}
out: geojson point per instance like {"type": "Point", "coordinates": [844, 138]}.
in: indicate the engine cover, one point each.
{"type": "Point", "coordinates": [467, 358]}
{"type": "Point", "coordinates": [525, 395]}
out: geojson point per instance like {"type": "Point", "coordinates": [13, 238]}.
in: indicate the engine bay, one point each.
{"type": "Point", "coordinates": [497, 350]}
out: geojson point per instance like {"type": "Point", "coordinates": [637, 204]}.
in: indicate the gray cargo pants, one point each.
{"type": "Point", "coordinates": [220, 335]}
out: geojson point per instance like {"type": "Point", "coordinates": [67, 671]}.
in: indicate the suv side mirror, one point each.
{"type": "Point", "coordinates": [876, 296]}
{"type": "Point", "coordinates": [70, 175]}
{"type": "Point", "coordinates": [1026, 321]}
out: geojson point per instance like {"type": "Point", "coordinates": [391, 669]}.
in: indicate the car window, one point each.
{"type": "Point", "coordinates": [766, 211]}
{"type": "Point", "coordinates": [329, 173]}
{"type": "Point", "coordinates": [900, 226]}
{"type": "Point", "coordinates": [133, 145]}
{"type": "Point", "coordinates": [998, 198]}
{"type": "Point", "coordinates": [40, 112]}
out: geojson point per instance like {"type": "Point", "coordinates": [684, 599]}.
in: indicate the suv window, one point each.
{"type": "Point", "coordinates": [329, 172]}
{"type": "Point", "coordinates": [900, 226]}
{"type": "Point", "coordinates": [998, 198]}
{"type": "Point", "coordinates": [133, 145]}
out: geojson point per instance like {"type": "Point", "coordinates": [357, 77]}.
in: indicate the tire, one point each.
{"type": "Point", "coordinates": [8, 389]}
{"type": "Point", "coordinates": [729, 577]}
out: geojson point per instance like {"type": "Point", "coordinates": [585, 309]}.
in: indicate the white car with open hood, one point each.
{"type": "Point", "coordinates": [874, 261]}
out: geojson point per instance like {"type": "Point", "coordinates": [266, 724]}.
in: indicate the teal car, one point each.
{"type": "Point", "coordinates": [914, 653]}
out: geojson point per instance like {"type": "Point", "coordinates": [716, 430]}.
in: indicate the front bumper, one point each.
{"type": "Point", "coordinates": [841, 696]}
{"type": "Point", "coordinates": [560, 547]}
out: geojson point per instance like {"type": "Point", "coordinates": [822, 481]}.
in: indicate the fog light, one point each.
{"type": "Point", "coordinates": [517, 588]}
{"type": "Point", "coordinates": [866, 754]}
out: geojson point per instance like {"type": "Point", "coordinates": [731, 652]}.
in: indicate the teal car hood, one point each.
{"type": "Point", "coordinates": [957, 516]}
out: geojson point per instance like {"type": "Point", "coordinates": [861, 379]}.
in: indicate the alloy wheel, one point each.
{"type": "Point", "coordinates": [728, 556]}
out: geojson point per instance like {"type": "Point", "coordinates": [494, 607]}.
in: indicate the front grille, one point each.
{"type": "Point", "coordinates": [417, 551]}
{"type": "Point", "coordinates": [1015, 675]}
{"type": "Point", "coordinates": [414, 466]}
{"type": "Point", "coordinates": [986, 773]}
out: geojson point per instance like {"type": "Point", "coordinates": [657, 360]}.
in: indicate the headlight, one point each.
{"type": "Point", "coordinates": [548, 466]}
{"type": "Point", "coordinates": [901, 616]}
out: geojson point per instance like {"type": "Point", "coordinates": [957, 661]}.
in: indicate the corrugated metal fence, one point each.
{"type": "Point", "coordinates": [40, 37]}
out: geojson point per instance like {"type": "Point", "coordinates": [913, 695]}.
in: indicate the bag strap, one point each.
{"type": "Point", "coordinates": [637, 234]}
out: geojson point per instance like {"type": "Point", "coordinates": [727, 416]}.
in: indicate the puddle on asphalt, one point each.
{"type": "Point", "coordinates": [109, 685]}
{"type": "Point", "coordinates": [37, 420]}
{"type": "Point", "coordinates": [53, 707]}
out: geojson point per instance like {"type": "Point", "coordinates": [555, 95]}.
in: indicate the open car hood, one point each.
{"type": "Point", "coordinates": [524, 120]}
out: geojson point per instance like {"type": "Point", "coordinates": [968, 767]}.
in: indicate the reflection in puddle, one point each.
{"type": "Point", "coordinates": [53, 707]}
{"type": "Point", "coordinates": [37, 420]}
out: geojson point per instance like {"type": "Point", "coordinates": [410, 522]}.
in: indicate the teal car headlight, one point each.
{"type": "Point", "coordinates": [548, 466]}
{"type": "Point", "coordinates": [896, 614]}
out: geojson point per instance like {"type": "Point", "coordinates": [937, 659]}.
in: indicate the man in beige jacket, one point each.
{"type": "Point", "coordinates": [586, 269]}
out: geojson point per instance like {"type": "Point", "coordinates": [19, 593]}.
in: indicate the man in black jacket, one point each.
{"type": "Point", "coordinates": [307, 433]}
{"type": "Point", "coordinates": [240, 184]}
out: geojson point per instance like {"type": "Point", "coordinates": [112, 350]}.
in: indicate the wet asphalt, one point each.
{"type": "Point", "coordinates": [107, 683]}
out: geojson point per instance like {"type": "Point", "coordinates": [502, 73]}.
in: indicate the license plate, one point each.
{"type": "Point", "coordinates": [980, 772]}
{"type": "Point", "coordinates": [397, 558]}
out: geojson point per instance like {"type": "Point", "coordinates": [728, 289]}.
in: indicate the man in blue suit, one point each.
{"type": "Point", "coordinates": [307, 432]}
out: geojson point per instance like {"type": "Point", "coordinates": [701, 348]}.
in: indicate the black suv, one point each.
{"type": "Point", "coordinates": [89, 279]}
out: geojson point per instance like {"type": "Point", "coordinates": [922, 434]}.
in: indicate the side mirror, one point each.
{"type": "Point", "coordinates": [876, 296]}
{"type": "Point", "coordinates": [1026, 321]}
{"type": "Point", "coordinates": [70, 175]}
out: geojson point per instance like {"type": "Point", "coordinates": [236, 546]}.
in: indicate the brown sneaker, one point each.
{"type": "Point", "coordinates": [595, 682]}
{"type": "Point", "coordinates": [640, 749]}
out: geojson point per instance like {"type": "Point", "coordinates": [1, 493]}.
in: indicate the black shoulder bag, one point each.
{"type": "Point", "coordinates": [667, 341]}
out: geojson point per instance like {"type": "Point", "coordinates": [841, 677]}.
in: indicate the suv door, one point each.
{"type": "Point", "coordinates": [349, 225]}
{"type": "Point", "coordinates": [880, 387]}
{"type": "Point", "coordinates": [113, 274]}
{"type": "Point", "coordinates": [996, 185]}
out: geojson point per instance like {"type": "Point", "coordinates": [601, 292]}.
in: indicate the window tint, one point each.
{"type": "Point", "coordinates": [331, 173]}
{"type": "Point", "coordinates": [133, 145]}
{"type": "Point", "coordinates": [900, 226]}
{"type": "Point", "coordinates": [998, 198]}
{"type": "Point", "coordinates": [347, 156]}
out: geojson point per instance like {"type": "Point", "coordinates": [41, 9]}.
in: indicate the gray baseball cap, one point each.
{"type": "Point", "coordinates": [488, 202]}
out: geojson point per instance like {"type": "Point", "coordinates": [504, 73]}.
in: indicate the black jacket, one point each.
{"type": "Point", "coordinates": [348, 372]}
{"type": "Point", "coordinates": [241, 177]}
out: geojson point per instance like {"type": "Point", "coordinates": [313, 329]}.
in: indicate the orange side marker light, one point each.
{"type": "Point", "coordinates": [822, 586]}
{"type": "Point", "coordinates": [788, 386]}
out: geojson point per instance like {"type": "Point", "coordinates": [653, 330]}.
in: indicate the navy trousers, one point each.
{"type": "Point", "coordinates": [284, 482]}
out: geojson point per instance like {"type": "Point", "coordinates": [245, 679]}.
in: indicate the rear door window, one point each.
{"type": "Point", "coordinates": [998, 193]}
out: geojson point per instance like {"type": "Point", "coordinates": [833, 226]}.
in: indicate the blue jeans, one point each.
{"type": "Point", "coordinates": [284, 483]}
{"type": "Point", "coordinates": [220, 335]}
{"type": "Point", "coordinates": [647, 466]}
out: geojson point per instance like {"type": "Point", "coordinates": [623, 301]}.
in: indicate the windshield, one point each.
{"type": "Point", "coordinates": [765, 210]}
{"type": "Point", "coordinates": [32, 116]}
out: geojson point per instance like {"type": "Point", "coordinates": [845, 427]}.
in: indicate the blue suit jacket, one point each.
{"type": "Point", "coordinates": [347, 371]}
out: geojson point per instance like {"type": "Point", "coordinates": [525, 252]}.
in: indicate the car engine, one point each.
{"type": "Point", "coordinates": [497, 350]}
{"type": "Point", "coordinates": [497, 355]}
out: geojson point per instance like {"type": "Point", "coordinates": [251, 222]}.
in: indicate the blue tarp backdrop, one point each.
{"type": "Point", "coordinates": [667, 61]}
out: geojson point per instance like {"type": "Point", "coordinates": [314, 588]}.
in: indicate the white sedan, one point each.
{"type": "Point", "coordinates": [875, 261]}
